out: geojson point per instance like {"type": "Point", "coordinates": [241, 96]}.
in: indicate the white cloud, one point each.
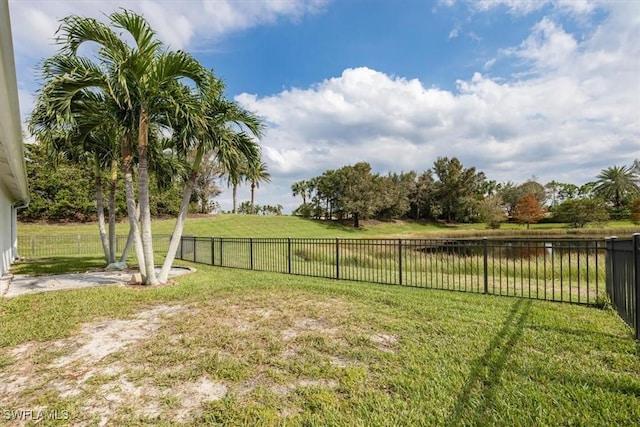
{"type": "Point", "coordinates": [548, 47]}
{"type": "Point", "coordinates": [178, 23]}
{"type": "Point", "coordinates": [523, 7]}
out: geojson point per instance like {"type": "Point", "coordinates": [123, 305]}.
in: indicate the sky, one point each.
{"type": "Point", "coordinates": [548, 89]}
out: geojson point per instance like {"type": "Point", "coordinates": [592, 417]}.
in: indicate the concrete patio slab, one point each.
{"type": "Point", "coordinates": [24, 284]}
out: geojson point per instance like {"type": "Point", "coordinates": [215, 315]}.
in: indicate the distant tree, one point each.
{"type": "Point", "coordinates": [59, 189]}
{"type": "Point", "coordinates": [423, 195]}
{"type": "Point", "coordinates": [301, 188]}
{"type": "Point", "coordinates": [457, 189]}
{"type": "Point", "coordinates": [552, 189]}
{"type": "Point", "coordinates": [490, 187]}
{"type": "Point", "coordinates": [272, 210]}
{"type": "Point", "coordinates": [394, 193]}
{"type": "Point", "coordinates": [359, 196]}
{"type": "Point", "coordinates": [512, 193]}
{"type": "Point", "coordinates": [579, 212]}
{"type": "Point", "coordinates": [206, 189]}
{"type": "Point", "coordinates": [587, 190]}
{"type": "Point", "coordinates": [531, 186]}
{"type": "Point", "coordinates": [256, 173]}
{"type": "Point", "coordinates": [617, 184]}
{"type": "Point", "coordinates": [235, 172]}
{"type": "Point", "coordinates": [529, 210]}
{"type": "Point", "coordinates": [329, 191]}
{"type": "Point", "coordinates": [492, 211]}
{"type": "Point", "coordinates": [567, 191]}
{"type": "Point", "coordinates": [246, 208]}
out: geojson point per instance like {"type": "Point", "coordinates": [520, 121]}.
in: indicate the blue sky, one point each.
{"type": "Point", "coordinates": [525, 88]}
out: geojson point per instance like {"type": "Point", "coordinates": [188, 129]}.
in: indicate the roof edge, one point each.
{"type": "Point", "coordinates": [11, 138]}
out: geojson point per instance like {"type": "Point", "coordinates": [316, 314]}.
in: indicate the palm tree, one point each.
{"type": "Point", "coordinates": [615, 183]}
{"type": "Point", "coordinates": [218, 133]}
{"type": "Point", "coordinates": [300, 188]}
{"type": "Point", "coordinates": [256, 173]}
{"type": "Point", "coordinates": [141, 81]}
{"type": "Point", "coordinates": [235, 176]}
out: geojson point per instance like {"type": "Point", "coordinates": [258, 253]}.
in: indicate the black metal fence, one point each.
{"type": "Point", "coordinates": [623, 278]}
{"type": "Point", "coordinates": [568, 270]}
{"type": "Point", "coordinates": [76, 245]}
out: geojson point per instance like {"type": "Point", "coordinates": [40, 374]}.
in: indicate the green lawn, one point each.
{"type": "Point", "coordinates": [290, 350]}
{"type": "Point", "coordinates": [290, 226]}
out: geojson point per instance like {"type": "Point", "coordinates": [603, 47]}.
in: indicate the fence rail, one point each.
{"type": "Point", "coordinates": [569, 270]}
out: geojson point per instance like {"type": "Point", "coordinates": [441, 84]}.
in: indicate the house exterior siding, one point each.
{"type": "Point", "coordinates": [7, 231]}
{"type": "Point", "coordinates": [13, 178]}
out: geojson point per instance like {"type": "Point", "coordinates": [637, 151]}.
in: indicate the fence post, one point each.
{"type": "Point", "coordinates": [607, 266]}
{"type": "Point", "coordinates": [213, 252]}
{"type": "Point", "coordinates": [251, 252]}
{"type": "Point", "coordinates": [194, 249]}
{"type": "Point", "coordinates": [636, 269]}
{"type": "Point", "coordinates": [337, 258]}
{"type": "Point", "coordinates": [221, 261]}
{"type": "Point", "coordinates": [611, 243]}
{"type": "Point", "coordinates": [400, 261]}
{"type": "Point", "coordinates": [485, 263]}
{"type": "Point", "coordinates": [289, 255]}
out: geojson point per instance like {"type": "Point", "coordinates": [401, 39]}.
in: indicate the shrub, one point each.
{"type": "Point", "coordinates": [579, 212]}
{"type": "Point", "coordinates": [635, 211]}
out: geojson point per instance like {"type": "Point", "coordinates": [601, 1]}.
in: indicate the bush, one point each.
{"type": "Point", "coordinates": [579, 212]}
{"type": "Point", "coordinates": [635, 211]}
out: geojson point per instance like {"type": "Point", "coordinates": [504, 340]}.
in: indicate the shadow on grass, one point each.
{"type": "Point", "coordinates": [58, 265]}
{"type": "Point", "coordinates": [479, 392]}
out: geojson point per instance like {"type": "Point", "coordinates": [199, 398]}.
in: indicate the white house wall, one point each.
{"type": "Point", "coordinates": [6, 233]}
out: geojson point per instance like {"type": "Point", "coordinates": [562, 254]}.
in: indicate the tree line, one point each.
{"type": "Point", "coordinates": [451, 192]}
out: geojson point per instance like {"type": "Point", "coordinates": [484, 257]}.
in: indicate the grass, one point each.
{"type": "Point", "coordinates": [291, 226]}
{"type": "Point", "coordinates": [290, 350]}
{"type": "Point", "coordinates": [57, 265]}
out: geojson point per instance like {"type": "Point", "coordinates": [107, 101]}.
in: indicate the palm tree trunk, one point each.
{"type": "Point", "coordinates": [112, 209]}
{"type": "Point", "coordinates": [127, 247]}
{"type": "Point", "coordinates": [143, 194]}
{"type": "Point", "coordinates": [235, 198]}
{"type": "Point", "coordinates": [127, 160]}
{"type": "Point", "coordinates": [182, 216]}
{"type": "Point", "coordinates": [253, 188]}
{"type": "Point", "coordinates": [130, 239]}
{"type": "Point", "coordinates": [100, 209]}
